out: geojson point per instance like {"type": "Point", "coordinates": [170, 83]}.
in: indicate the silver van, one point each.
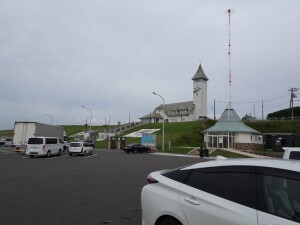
{"type": "Point", "coordinates": [43, 146]}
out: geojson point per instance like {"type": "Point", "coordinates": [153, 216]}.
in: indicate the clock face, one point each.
{"type": "Point", "coordinates": [196, 90]}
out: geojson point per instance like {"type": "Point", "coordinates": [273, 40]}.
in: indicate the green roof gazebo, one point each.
{"type": "Point", "coordinates": [230, 132]}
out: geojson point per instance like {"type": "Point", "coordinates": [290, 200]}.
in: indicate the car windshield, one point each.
{"type": "Point", "coordinates": [75, 144]}
{"type": "Point", "coordinates": [35, 141]}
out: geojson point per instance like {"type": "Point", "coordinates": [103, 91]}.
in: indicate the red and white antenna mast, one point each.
{"type": "Point", "coordinates": [229, 11]}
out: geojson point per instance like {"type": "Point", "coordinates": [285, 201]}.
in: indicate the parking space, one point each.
{"type": "Point", "coordinates": [102, 188]}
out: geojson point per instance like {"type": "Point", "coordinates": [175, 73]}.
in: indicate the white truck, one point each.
{"type": "Point", "coordinates": [291, 153]}
{"type": "Point", "coordinates": [25, 130]}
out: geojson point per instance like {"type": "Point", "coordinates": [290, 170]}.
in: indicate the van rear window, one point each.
{"type": "Point", "coordinates": [35, 141]}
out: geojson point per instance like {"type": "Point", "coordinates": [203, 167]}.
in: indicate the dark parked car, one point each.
{"type": "Point", "coordinates": [90, 142]}
{"type": "Point", "coordinates": [136, 148]}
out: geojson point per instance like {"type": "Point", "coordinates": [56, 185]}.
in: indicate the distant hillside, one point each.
{"type": "Point", "coordinates": [285, 113]}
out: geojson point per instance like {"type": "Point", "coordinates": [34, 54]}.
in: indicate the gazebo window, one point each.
{"type": "Point", "coordinates": [220, 139]}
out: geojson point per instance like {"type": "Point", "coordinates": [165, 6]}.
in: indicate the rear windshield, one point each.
{"type": "Point", "coordinates": [295, 155]}
{"type": "Point", "coordinates": [177, 174]}
{"type": "Point", "coordinates": [35, 141]}
{"type": "Point", "coordinates": [75, 145]}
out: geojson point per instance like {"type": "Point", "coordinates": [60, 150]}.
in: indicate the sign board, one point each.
{"type": "Point", "coordinates": [149, 139]}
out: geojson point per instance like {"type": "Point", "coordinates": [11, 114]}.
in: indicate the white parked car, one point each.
{"type": "Point", "coordinates": [224, 192]}
{"type": "Point", "coordinates": [291, 153]}
{"type": "Point", "coordinates": [82, 148]}
{"type": "Point", "coordinates": [43, 146]}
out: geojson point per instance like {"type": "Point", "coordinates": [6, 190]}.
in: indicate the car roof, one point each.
{"type": "Point", "coordinates": [272, 163]}
{"type": "Point", "coordinates": [295, 149]}
{"type": "Point", "coordinates": [43, 137]}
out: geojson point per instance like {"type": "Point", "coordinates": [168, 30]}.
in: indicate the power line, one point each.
{"type": "Point", "coordinates": [252, 102]}
{"type": "Point", "coordinates": [275, 106]}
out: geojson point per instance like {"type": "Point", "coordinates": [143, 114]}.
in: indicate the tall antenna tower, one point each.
{"type": "Point", "coordinates": [229, 11]}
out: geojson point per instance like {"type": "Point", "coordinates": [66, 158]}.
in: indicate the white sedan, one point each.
{"type": "Point", "coordinates": [224, 192]}
{"type": "Point", "coordinates": [82, 148]}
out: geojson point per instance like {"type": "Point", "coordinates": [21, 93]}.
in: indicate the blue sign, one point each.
{"type": "Point", "coordinates": [149, 139]}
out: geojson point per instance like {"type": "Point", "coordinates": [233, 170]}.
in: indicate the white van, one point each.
{"type": "Point", "coordinates": [43, 146]}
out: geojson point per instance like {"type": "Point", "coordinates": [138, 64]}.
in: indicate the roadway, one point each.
{"type": "Point", "coordinates": [100, 189]}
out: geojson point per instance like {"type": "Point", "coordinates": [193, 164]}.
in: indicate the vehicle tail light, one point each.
{"type": "Point", "coordinates": [17, 148]}
{"type": "Point", "coordinates": [81, 149]}
{"type": "Point", "coordinates": [44, 146]}
{"type": "Point", "coordinates": [151, 180]}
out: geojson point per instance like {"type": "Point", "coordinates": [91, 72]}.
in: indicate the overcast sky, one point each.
{"type": "Point", "coordinates": [110, 55]}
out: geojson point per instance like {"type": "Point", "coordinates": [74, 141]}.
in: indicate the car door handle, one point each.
{"type": "Point", "coordinates": [192, 201]}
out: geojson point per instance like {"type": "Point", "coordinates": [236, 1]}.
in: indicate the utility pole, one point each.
{"type": "Point", "coordinates": [214, 109]}
{"type": "Point", "coordinates": [262, 109]}
{"type": "Point", "coordinates": [293, 95]}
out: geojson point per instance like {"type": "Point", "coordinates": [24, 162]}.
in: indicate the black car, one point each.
{"type": "Point", "coordinates": [136, 148]}
{"type": "Point", "coordinates": [90, 142]}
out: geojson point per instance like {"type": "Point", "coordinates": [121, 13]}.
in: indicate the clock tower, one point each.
{"type": "Point", "coordinates": [200, 93]}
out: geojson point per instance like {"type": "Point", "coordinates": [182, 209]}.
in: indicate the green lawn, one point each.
{"type": "Point", "coordinates": [227, 154]}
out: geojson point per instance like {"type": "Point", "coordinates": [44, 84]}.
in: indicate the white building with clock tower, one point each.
{"type": "Point", "coordinates": [184, 111]}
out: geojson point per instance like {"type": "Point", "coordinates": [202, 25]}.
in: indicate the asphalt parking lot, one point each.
{"type": "Point", "coordinates": [100, 189]}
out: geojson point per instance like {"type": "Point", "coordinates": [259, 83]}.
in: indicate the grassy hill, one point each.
{"type": "Point", "coordinates": [182, 136]}
{"type": "Point", "coordinates": [269, 126]}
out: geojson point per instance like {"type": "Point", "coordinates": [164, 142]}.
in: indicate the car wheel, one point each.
{"type": "Point", "coordinates": [48, 154]}
{"type": "Point", "coordinates": [169, 221]}
{"type": "Point", "coordinates": [31, 156]}
{"type": "Point", "coordinates": [59, 152]}
{"type": "Point", "coordinates": [70, 154]}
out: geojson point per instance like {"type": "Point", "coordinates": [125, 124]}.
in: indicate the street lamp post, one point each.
{"type": "Point", "coordinates": [49, 116]}
{"type": "Point", "coordinates": [163, 133]}
{"type": "Point", "coordinates": [90, 118]}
